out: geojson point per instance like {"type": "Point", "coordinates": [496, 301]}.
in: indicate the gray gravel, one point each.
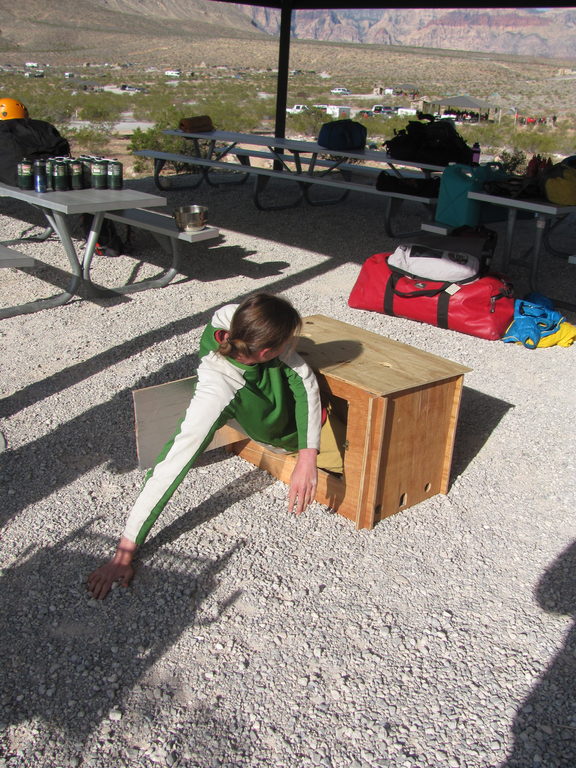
{"type": "Point", "coordinates": [441, 639]}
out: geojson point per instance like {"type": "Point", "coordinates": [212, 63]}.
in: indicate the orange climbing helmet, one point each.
{"type": "Point", "coordinates": [10, 109]}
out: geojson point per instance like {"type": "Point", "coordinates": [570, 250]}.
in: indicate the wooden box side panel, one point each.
{"type": "Point", "coordinates": [418, 445]}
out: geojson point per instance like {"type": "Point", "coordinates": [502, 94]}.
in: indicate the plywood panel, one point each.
{"type": "Point", "coordinates": [369, 361]}
{"type": "Point", "coordinates": [415, 446]}
{"type": "Point", "coordinates": [158, 410]}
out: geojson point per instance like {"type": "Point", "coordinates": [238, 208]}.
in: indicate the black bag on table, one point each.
{"type": "Point", "coordinates": [27, 138]}
{"type": "Point", "coordinates": [343, 134]}
{"type": "Point", "coordinates": [436, 142]}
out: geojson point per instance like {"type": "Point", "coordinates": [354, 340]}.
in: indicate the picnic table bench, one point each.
{"type": "Point", "coordinates": [306, 163]}
{"type": "Point", "coordinates": [11, 258]}
{"type": "Point", "coordinates": [164, 226]}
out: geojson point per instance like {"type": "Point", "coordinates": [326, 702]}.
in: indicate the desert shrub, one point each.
{"type": "Point", "coordinates": [44, 99]}
{"type": "Point", "coordinates": [154, 138]}
{"type": "Point", "coordinates": [100, 108]}
{"type": "Point", "coordinates": [513, 161]}
{"type": "Point", "coordinates": [537, 142]}
{"type": "Point", "coordinates": [308, 123]}
{"type": "Point", "coordinates": [91, 141]}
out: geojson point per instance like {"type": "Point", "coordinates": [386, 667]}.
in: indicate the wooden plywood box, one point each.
{"type": "Point", "coordinates": [400, 405]}
{"type": "Point", "coordinates": [402, 408]}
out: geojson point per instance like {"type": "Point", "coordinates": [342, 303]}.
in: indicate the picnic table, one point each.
{"type": "Point", "coordinates": [59, 206]}
{"type": "Point", "coordinates": [305, 162]}
{"type": "Point", "coordinates": [546, 216]}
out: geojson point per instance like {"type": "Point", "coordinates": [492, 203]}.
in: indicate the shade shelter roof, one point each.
{"type": "Point", "coordinates": [465, 102]}
{"type": "Point", "coordinates": [287, 7]}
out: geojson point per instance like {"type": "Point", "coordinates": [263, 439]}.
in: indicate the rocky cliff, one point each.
{"type": "Point", "coordinates": [526, 32]}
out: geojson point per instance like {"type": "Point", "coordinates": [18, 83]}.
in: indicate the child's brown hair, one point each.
{"type": "Point", "coordinates": [261, 321]}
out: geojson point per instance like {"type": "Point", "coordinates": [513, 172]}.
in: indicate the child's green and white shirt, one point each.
{"type": "Point", "coordinates": [276, 403]}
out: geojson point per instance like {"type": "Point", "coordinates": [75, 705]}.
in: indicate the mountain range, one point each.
{"type": "Point", "coordinates": [517, 31]}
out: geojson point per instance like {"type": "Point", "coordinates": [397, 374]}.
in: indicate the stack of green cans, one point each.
{"type": "Point", "coordinates": [65, 173]}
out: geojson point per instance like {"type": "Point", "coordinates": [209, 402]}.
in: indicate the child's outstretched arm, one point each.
{"type": "Point", "coordinates": [303, 481]}
{"type": "Point", "coordinates": [205, 414]}
{"type": "Point", "coordinates": [118, 569]}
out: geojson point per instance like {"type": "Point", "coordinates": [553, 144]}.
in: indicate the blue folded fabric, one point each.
{"type": "Point", "coordinates": [533, 321]}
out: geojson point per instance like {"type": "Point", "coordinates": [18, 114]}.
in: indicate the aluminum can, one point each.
{"type": "Point", "coordinates": [49, 180]}
{"type": "Point", "coordinates": [99, 174]}
{"type": "Point", "coordinates": [86, 161]}
{"type": "Point", "coordinates": [40, 176]}
{"type": "Point", "coordinates": [60, 175]}
{"type": "Point", "coordinates": [76, 174]}
{"type": "Point", "coordinates": [25, 174]}
{"type": "Point", "coordinates": [115, 174]}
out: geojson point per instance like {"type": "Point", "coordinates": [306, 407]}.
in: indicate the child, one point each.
{"type": "Point", "coordinates": [249, 373]}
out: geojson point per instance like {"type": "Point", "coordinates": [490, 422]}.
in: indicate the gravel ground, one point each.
{"type": "Point", "coordinates": [443, 638]}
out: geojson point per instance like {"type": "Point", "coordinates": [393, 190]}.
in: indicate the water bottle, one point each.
{"type": "Point", "coordinates": [40, 184]}
{"type": "Point", "coordinates": [475, 154]}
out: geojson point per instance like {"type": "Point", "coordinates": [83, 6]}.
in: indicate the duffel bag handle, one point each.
{"type": "Point", "coordinates": [393, 282]}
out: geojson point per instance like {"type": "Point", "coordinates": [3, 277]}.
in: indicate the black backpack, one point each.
{"type": "Point", "coordinates": [436, 142]}
{"type": "Point", "coordinates": [342, 135]}
{"type": "Point", "coordinates": [27, 138]}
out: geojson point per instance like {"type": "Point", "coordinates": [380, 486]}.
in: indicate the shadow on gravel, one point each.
{"type": "Point", "coordinates": [78, 372]}
{"type": "Point", "coordinates": [69, 660]}
{"type": "Point", "coordinates": [252, 482]}
{"type": "Point", "coordinates": [479, 417]}
{"type": "Point", "coordinates": [545, 726]}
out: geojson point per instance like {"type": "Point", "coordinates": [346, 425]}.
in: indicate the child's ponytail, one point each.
{"type": "Point", "coordinates": [234, 348]}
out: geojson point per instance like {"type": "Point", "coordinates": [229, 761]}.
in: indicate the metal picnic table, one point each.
{"type": "Point", "coordinates": [57, 206]}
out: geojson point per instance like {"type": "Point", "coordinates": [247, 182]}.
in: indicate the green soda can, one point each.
{"type": "Point", "coordinates": [86, 161]}
{"type": "Point", "coordinates": [25, 174]}
{"type": "Point", "coordinates": [76, 174]}
{"type": "Point", "coordinates": [99, 174]}
{"type": "Point", "coordinates": [59, 175]}
{"type": "Point", "coordinates": [115, 174]}
{"type": "Point", "coordinates": [49, 180]}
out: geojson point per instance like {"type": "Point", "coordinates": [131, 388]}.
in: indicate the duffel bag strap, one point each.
{"type": "Point", "coordinates": [442, 293]}
{"type": "Point", "coordinates": [442, 309]}
{"type": "Point", "coordinates": [393, 282]}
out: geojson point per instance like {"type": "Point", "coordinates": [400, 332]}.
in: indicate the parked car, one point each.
{"type": "Point", "coordinates": [297, 109]}
{"type": "Point", "coordinates": [340, 91]}
{"type": "Point", "coordinates": [382, 109]}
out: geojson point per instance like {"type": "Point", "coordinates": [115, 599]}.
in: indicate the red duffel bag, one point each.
{"type": "Point", "coordinates": [482, 307]}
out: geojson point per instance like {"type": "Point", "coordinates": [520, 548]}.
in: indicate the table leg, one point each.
{"type": "Point", "coordinates": [162, 181]}
{"type": "Point", "coordinates": [91, 243]}
{"type": "Point", "coordinates": [541, 224]}
{"type": "Point", "coordinates": [553, 225]}
{"type": "Point", "coordinates": [391, 207]}
{"type": "Point", "coordinates": [510, 225]}
{"type": "Point", "coordinates": [260, 183]}
{"type": "Point", "coordinates": [153, 282]}
{"type": "Point", "coordinates": [58, 223]}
